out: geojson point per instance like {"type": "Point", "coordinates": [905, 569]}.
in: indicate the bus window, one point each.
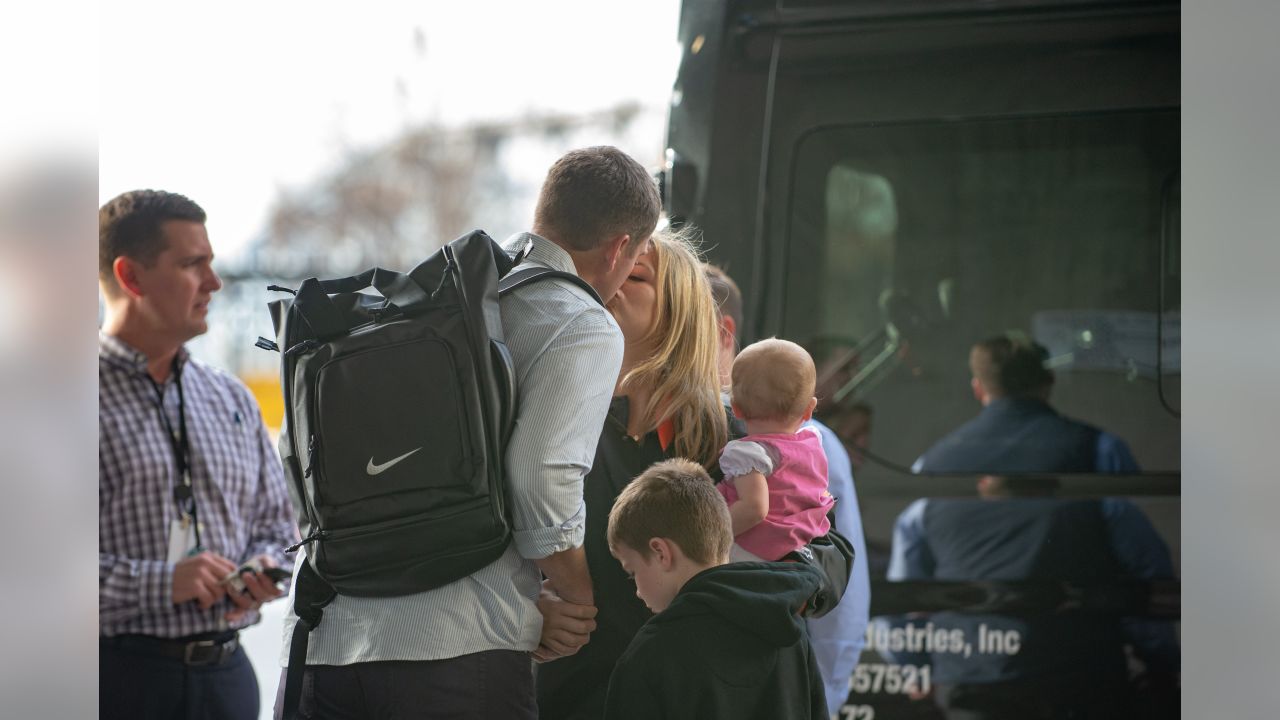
{"type": "Point", "coordinates": [861, 221]}
{"type": "Point", "coordinates": [911, 242]}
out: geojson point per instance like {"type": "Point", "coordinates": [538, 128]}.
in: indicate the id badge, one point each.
{"type": "Point", "coordinates": [182, 539]}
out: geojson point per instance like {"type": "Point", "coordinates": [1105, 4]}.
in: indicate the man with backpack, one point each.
{"type": "Point", "coordinates": [463, 649]}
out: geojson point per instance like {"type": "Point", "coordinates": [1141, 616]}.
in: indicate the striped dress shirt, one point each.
{"type": "Point", "coordinates": [241, 499]}
{"type": "Point", "coordinates": [567, 352]}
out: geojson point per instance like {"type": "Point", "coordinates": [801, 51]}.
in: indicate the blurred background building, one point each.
{"type": "Point", "coordinates": [323, 143]}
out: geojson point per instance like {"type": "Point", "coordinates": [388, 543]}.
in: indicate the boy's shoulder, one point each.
{"type": "Point", "coordinates": [656, 639]}
{"type": "Point", "coordinates": [673, 646]}
{"type": "Point", "coordinates": [754, 599]}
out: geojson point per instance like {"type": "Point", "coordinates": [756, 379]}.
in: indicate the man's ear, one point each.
{"type": "Point", "coordinates": [978, 391]}
{"type": "Point", "coordinates": [125, 272]}
{"type": "Point", "coordinates": [728, 331]}
{"type": "Point", "coordinates": [663, 552]}
{"type": "Point", "coordinates": [613, 250]}
{"type": "Point", "coordinates": [736, 411]}
{"type": "Point", "coordinates": [808, 413]}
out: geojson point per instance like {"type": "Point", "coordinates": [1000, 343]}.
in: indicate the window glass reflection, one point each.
{"type": "Point", "coordinates": [908, 244]}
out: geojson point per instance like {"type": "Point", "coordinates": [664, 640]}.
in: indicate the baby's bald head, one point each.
{"type": "Point", "coordinates": [773, 380]}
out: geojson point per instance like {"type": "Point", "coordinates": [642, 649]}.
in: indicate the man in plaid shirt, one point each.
{"type": "Point", "coordinates": [189, 486]}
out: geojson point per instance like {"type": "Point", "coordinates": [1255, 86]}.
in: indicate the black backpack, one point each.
{"type": "Point", "coordinates": [397, 413]}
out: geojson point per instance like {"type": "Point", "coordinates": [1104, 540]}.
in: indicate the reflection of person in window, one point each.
{"type": "Point", "coordinates": [1067, 664]}
{"type": "Point", "coordinates": [1017, 431]}
{"type": "Point", "coordinates": [852, 424]}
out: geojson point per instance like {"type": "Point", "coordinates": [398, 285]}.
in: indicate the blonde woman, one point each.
{"type": "Point", "coordinates": [667, 404]}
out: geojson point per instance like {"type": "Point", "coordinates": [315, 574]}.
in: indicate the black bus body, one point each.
{"type": "Point", "coordinates": [898, 180]}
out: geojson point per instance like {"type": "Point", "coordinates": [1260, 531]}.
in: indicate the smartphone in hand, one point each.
{"type": "Point", "coordinates": [274, 574]}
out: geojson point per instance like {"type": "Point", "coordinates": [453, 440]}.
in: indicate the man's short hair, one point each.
{"type": "Point", "coordinates": [726, 293]}
{"type": "Point", "coordinates": [772, 379]}
{"type": "Point", "coordinates": [1011, 365]}
{"type": "Point", "coordinates": [674, 499]}
{"type": "Point", "coordinates": [129, 225]}
{"type": "Point", "coordinates": [597, 193]}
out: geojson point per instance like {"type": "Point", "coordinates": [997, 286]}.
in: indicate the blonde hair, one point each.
{"type": "Point", "coordinates": [682, 374]}
{"type": "Point", "coordinates": [773, 380]}
{"type": "Point", "coordinates": [673, 499]}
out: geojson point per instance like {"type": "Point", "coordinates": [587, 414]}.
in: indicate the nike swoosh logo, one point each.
{"type": "Point", "coordinates": [373, 469]}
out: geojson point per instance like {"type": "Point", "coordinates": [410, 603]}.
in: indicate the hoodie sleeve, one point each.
{"type": "Point", "coordinates": [818, 709]}
{"type": "Point", "coordinates": [630, 696]}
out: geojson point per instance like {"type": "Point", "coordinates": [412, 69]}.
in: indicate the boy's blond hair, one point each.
{"type": "Point", "coordinates": [673, 499]}
{"type": "Point", "coordinates": [773, 380]}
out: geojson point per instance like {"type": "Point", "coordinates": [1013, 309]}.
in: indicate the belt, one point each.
{"type": "Point", "coordinates": [197, 650]}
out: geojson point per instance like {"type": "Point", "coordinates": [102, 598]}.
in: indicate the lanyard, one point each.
{"type": "Point", "coordinates": [183, 494]}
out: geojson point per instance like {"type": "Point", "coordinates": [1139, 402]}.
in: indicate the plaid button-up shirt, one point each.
{"type": "Point", "coordinates": [242, 502]}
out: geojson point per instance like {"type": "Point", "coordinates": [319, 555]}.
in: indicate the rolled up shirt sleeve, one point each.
{"type": "Point", "coordinates": [540, 542]}
{"type": "Point", "coordinates": [564, 397]}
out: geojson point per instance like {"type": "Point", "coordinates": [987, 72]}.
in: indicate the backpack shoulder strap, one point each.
{"type": "Point", "coordinates": [311, 594]}
{"type": "Point", "coordinates": [520, 277]}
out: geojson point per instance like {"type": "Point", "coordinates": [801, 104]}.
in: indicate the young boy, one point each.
{"type": "Point", "coordinates": [727, 641]}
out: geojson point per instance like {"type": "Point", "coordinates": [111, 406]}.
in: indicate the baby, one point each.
{"type": "Point", "coordinates": [775, 478]}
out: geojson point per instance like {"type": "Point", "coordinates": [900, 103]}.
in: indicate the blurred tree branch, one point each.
{"type": "Point", "coordinates": [393, 205]}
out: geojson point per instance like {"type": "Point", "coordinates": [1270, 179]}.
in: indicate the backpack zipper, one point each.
{"type": "Point", "coordinates": [315, 535]}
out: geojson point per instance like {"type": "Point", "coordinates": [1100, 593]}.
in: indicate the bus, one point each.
{"type": "Point", "coordinates": [891, 182]}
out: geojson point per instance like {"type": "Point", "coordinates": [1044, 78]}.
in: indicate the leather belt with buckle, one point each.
{"type": "Point", "coordinates": [195, 652]}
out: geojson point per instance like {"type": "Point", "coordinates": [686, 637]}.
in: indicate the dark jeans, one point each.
{"type": "Point", "coordinates": [140, 686]}
{"type": "Point", "coordinates": [491, 685]}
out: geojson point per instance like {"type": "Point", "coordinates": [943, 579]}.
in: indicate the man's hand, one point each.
{"type": "Point", "coordinates": [199, 578]}
{"type": "Point", "coordinates": [566, 626]}
{"type": "Point", "coordinates": [258, 590]}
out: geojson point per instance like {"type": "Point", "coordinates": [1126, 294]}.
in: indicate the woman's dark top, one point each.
{"type": "Point", "coordinates": [573, 688]}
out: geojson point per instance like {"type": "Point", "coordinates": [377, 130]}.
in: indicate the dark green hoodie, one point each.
{"type": "Point", "coordinates": [729, 646]}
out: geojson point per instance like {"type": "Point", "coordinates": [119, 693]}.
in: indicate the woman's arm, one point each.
{"type": "Point", "coordinates": [753, 502]}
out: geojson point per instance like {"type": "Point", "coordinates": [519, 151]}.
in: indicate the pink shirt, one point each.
{"type": "Point", "coordinates": [796, 470]}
